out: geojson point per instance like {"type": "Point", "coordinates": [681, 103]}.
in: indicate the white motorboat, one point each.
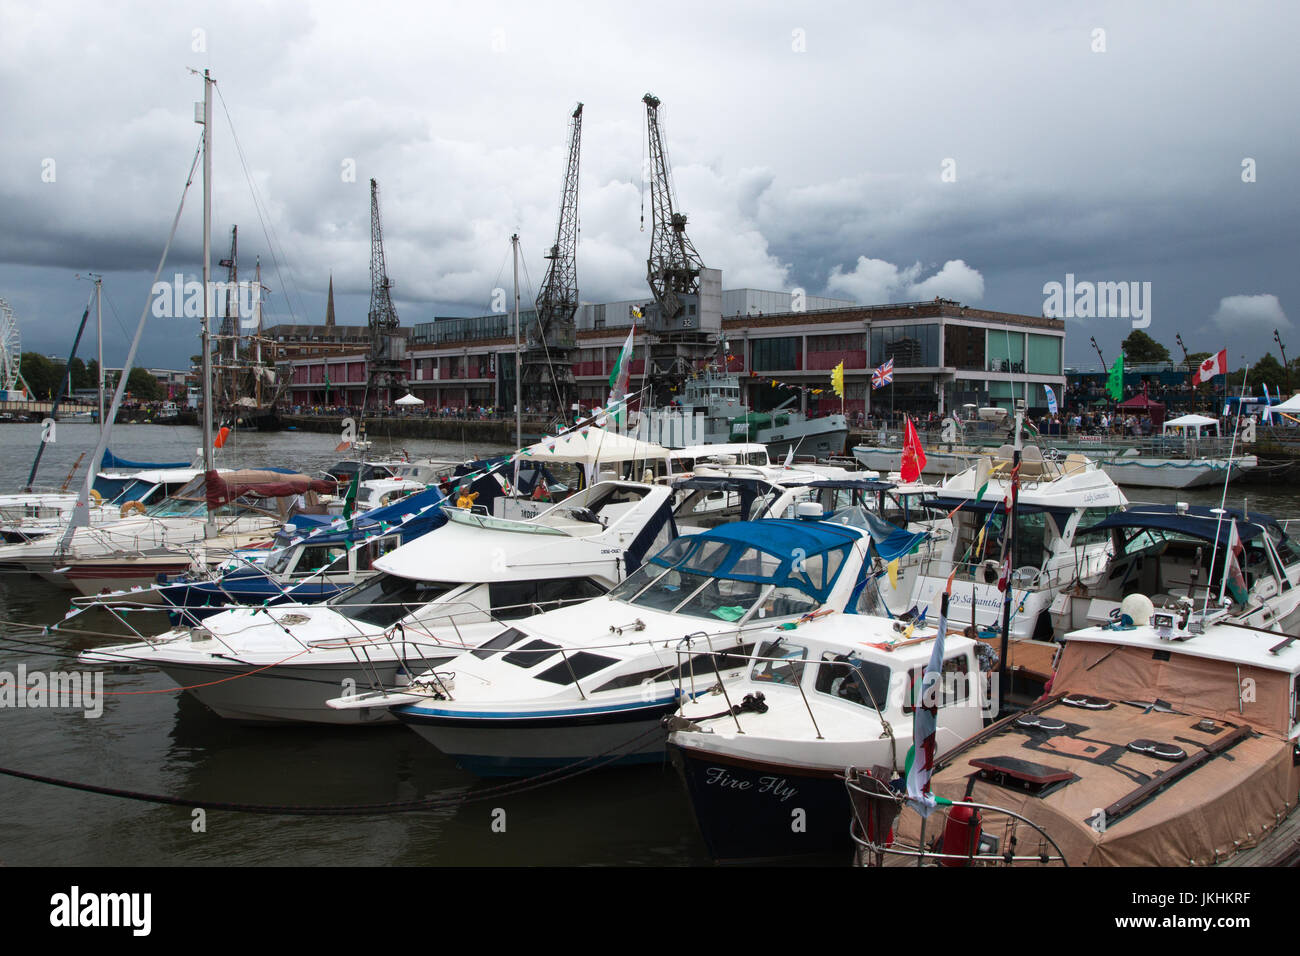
{"type": "Point", "coordinates": [1175, 554]}
{"type": "Point", "coordinates": [590, 684]}
{"type": "Point", "coordinates": [29, 516]}
{"type": "Point", "coordinates": [1056, 499]}
{"type": "Point", "coordinates": [449, 590]}
{"type": "Point", "coordinates": [763, 758]}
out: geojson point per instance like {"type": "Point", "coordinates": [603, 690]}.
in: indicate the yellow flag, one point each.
{"type": "Point", "coordinates": [893, 574]}
{"type": "Point", "coordinates": [837, 380]}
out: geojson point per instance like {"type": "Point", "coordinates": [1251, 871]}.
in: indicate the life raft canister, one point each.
{"type": "Point", "coordinates": [961, 834]}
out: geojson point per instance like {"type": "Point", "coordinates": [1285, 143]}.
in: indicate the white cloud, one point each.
{"type": "Point", "coordinates": [1253, 312]}
{"type": "Point", "coordinates": [874, 281]}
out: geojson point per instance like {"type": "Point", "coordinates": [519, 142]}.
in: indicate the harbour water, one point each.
{"type": "Point", "coordinates": [154, 739]}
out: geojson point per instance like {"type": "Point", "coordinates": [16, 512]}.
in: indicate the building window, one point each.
{"type": "Point", "coordinates": [1006, 351]}
{"type": "Point", "coordinates": [772, 355]}
{"type": "Point", "coordinates": [1044, 354]}
{"type": "Point", "coordinates": [910, 346]}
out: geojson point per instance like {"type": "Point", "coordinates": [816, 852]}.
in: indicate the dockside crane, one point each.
{"type": "Point", "coordinates": [680, 333]}
{"type": "Point", "coordinates": [387, 348]}
{"type": "Point", "coordinates": [548, 361]}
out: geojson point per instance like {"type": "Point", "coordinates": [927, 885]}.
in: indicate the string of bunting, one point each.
{"type": "Point", "coordinates": [792, 386]}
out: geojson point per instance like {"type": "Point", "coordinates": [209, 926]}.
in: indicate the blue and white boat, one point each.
{"type": "Point", "coordinates": [591, 683]}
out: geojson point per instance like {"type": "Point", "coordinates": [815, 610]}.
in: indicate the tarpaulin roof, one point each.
{"type": "Point", "coordinates": [591, 446]}
{"type": "Point", "coordinates": [223, 489]}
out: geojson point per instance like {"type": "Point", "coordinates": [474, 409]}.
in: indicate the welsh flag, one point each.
{"type": "Point", "coordinates": [1233, 578]}
{"type": "Point", "coordinates": [982, 471]}
{"type": "Point", "coordinates": [619, 377]}
{"type": "Point", "coordinates": [925, 722]}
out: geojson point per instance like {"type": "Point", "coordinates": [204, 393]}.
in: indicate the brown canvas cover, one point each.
{"type": "Point", "coordinates": [1192, 685]}
{"type": "Point", "coordinates": [1227, 804]}
{"type": "Point", "coordinates": [223, 489]}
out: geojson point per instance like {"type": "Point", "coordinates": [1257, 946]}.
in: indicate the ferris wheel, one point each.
{"type": "Point", "coordinates": [11, 350]}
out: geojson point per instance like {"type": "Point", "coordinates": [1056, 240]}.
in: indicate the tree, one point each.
{"type": "Point", "coordinates": [40, 374]}
{"type": "Point", "coordinates": [80, 378]}
{"type": "Point", "coordinates": [143, 386]}
{"type": "Point", "coordinates": [92, 373]}
{"type": "Point", "coordinates": [1267, 371]}
{"type": "Point", "coordinates": [1142, 348]}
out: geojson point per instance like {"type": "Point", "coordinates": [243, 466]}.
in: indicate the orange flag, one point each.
{"type": "Point", "coordinates": [913, 453]}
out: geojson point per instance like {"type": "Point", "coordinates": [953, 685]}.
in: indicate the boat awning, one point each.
{"type": "Point", "coordinates": [731, 551]}
{"type": "Point", "coordinates": [869, 485]}
{"type": "Point", "coordinates": [996, 506]}
{"type": "Point", "coordinates": [1197, 521]}
{"type": "Point", "coordinates": [223, 489]}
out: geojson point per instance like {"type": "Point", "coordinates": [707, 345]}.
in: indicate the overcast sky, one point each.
{"type": "Point", "coordinates": [872, 151]}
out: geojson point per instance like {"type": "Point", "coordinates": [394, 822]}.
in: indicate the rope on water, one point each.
{"type": "Point", "coordinates": [434, 802]}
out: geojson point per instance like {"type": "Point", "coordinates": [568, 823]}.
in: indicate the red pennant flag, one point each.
{"type": "Point", "coordinates": [913, 453]}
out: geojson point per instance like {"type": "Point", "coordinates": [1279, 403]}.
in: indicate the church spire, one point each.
{"type": "Point", "coordinates": [329, 308]}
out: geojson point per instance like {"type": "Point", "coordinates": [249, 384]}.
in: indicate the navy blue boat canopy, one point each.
{"type": "Point", "coordinates": [111, 461]}
{"type": "Point", "coordinates": [1196, 521]}
{"type": "Point", "coordinates": [800, 554]}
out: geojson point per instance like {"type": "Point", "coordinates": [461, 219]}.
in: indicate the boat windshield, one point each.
{"type": "Point", "coordinates": [727, 579]}
{"type": "Point", "coordinates": [387, 598]}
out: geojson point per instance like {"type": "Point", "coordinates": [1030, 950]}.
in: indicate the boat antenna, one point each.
{"type": "Point", "coordinates": [1223, 500]}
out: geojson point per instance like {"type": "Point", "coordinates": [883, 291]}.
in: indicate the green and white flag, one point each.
{"type": "Point", "coordinates": [621, 374]}
{"type": "Point", "coordinates": [981, 478]}
{"type": "Point", "coordinates": [1115, 381]}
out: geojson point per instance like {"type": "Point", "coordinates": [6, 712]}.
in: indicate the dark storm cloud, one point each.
{"type": "Point", "coordinates": [973, 150]}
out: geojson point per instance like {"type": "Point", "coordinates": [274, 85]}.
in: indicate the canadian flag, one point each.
{"type": "Point", "coordinates": [1212, 366]}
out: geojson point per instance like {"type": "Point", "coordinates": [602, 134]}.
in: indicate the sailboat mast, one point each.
{"type": "Point", "coordinates": [519, 407]}
{"type": "Point", "coordinates": [211, 527]}
{"type": "Point", "coordinates": [99, 343]}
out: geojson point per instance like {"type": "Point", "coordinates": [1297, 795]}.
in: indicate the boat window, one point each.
{"type": "Point", "coordinates": [869, 602]}
{"type": "Point", "coordinates": [316, 557]}
{"type": "Point", "coordinates": [787, 602]}
{"type": "Point", "coordinates": [635, 581]}
{"type": "Point", "coordinates": [512, 600]}
{"type": "Point", "coordinates": [111, 489]}
{"type": "Point", "coordinates": [1286, 548]}
{"type": "Point", "coordinates": [1144, 539]}
{"type": "Point", "coordinates": [387, 598]}
{"type": "Point", "coordinates": [531, 654]}
{"type": "Point", "coordinates": [372, 551]}
{"type": "Point", "coordinates": [577, 665]}
{"type": "Point", "coordinates": [859, 682]}
{"type": "Point", "coordinates": [507, 638]}
{"type": "Point", "coordinates": [787, 668]}
{"type": "Point", "coordinates": [953, 686]}
{"type": "Point", "coordinates": [278, 561]}
{"type": "Point", "coordinates": [724, 599]}
{"type": "Point", "coordinates": [696, 665]}
{"type": "Point", "coordinates": [670, 590]}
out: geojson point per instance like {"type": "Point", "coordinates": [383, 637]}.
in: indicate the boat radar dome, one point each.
{"type": "Point", "coordinates": [1136, 609]}
{"type": "Point", "coordinates": [992, 414]}
{"type": "Point", "coordinates": [809, 511]}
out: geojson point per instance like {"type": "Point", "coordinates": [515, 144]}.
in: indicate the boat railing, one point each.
{"type": "Point", "coordinates": [984, 835]}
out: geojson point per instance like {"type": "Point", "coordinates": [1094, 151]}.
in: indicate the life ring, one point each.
{"type": "Point", "coordinates": [131, 506]}
{"type": "Point", "coordinates": [96, 497]}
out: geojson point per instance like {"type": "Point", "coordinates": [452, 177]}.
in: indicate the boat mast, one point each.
{"type": "Point", "coordinates": [99, 342]}
{"type": "Point", "coordinates": [519, 408]}
{"type": "Point", "coordinates": [211, 526]}
{"type": "Point", "coordinates": [1004, 670]}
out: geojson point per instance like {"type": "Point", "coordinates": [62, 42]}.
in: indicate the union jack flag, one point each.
{"type": "Point", "coordinates": [883, 375]}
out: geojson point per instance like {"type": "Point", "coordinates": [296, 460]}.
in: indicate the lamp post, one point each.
{"type": "Point", "coordinates": [1285, 368]}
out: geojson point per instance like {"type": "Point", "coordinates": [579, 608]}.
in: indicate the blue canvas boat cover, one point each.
{"type": "Point", "coordinates": [1196, 521]}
